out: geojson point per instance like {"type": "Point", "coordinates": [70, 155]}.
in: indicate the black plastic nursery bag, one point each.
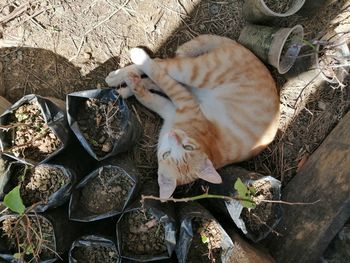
{"type": "Point", "coordinates": [96, 195]}
{"type": "Point", "coordinates": [220, 243]}
{"type": "Point", "coordinates": [99, 248]}
{"type": "Point", "coordinates": [159, 225]}
{"type": "Point", "coordinates": [255, 223]}
{"type": "Point", "coordinates": [45, 186]}
{"type": "Point", "coordinates": [38, 226]}
{"type": "Point", "coordinates": [119, 134]}
{"type": "Point", "coordinates": [18, 120]}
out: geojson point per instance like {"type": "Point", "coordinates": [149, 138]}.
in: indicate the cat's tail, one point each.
{"type": "Point", "coordinates": [179, 95]}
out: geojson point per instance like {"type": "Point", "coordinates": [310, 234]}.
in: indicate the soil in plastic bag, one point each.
{"type": "Point", "coordinates": [37, 129]}
{"type": "Point", "coordinates": [45, 186]}
{"type": "Point", "coordinates": [257, 223]}
{"type": "Point", "coordinates": [264, 216]}
{"type": "Point", "coordinates": [102, 122]}
{"type": "Point", "coordinates": [149, 232]}
{"type": "Point", "coordinates": [201, 238]}
{"type": "Point", "coordinates": [93, 248]}
{"type": "Point", "coordinates": [105, 192]}
{"type": "Point", "coordinates": [16, 231]}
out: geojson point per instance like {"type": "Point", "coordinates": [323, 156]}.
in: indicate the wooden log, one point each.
{"type": "Point", "coordinates": [308, 229]}
{"type": "Point", "coordinates": [4, 104]}
{"type": "Point", "coordinates": [2, 84]}
{"type": "Point", "coordinates": [245, 252]}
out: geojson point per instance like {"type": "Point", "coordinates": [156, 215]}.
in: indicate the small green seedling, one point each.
{"type": "Point", "coordinates": [204, 238]}
{"type": "Point", "coordinates": [245, 194]}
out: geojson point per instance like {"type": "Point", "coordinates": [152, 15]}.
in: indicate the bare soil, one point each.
{"type": "Point", "coordinates": [40, 183]}
{"type": "Point", "coordinates": [141, 234]}
{"type": "Point", "coordinates": [37, 229]}
{"type": "Point", "coordinates": [259, 220]}
{"type": "Point", "coordinates": [279, 6]}
{"type": "Point", "coordinates": [95, 254]}
{"type": "Point", "coordinates": [101, 124]}
{"type": "Point", "coordinates": [206, 243]}
{"type": "Point", "coordinates": [106, 192]}
{"type": "Point", "coordinates": [32, 138]}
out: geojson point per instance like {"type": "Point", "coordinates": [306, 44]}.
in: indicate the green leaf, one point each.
{"type": "Point", "coordinates": [252, 190]}
{"type": "Point", "coordinates": [29, 250]}
{"type": "Point", "coordinates": [14, 201]}
{"type": "Point", "coordinates": [17, 255]}
{"type": "Point", "coordinates": [244, 193]}
{"type": "Point", "coordinates": [94, 143]}
{"type": "Point", "coordinates": [205, 239]}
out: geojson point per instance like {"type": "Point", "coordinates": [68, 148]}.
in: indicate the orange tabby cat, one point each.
{"type": "Point", "coordinates": [223, 107]}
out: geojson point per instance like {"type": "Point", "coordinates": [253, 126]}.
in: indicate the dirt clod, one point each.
{"type": "Point", "coordinates": [258, 220]}
{"type": "Point", "coordinates": [33, 235]}
{"type": "Point", "coordinates": [95, 254]}
{"type": "Point", "coordinates": [101, 124]}
{"type": "Point", "coordinates": [142, 234]}
{"type": "Point", "coordinates": [40, 183]}
{"type": "Point", "coordinates": [206, 242]}
{"type": "Point", "coordinates": [32, 138]}
{"type": "Point", "coordinates": [106, 192]}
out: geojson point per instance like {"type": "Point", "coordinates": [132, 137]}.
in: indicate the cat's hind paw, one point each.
{"type": "Point", "coordinates": [136, 84]}
{"type": "Point", "coordinates": [138, 56]}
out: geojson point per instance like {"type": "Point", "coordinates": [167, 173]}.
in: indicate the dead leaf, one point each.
{"type": "Point", "coordinates": [302, 161]}
{"type": "Point", "coordinates": [152, 223]}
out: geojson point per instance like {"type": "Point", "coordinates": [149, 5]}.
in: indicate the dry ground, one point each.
{"type": "Point", "coordinates": [54, 47]}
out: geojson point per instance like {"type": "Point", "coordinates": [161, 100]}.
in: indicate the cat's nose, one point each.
{"type": "Point", "coordinates": [174, 135]}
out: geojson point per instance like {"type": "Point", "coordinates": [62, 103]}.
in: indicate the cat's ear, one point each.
{"type": "Point", "coordinates": [167, 185]}
{"type": "Point", "coordinates": [209, 173]}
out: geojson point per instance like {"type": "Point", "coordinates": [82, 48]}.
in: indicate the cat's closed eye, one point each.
{"type": "Point", "coordinates": [166, 154]}
{"type": "Point", "coordinates": [188, 147]}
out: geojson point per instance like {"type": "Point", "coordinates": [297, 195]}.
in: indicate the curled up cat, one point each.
{"type": "Point", "coordinates": [223, 107]}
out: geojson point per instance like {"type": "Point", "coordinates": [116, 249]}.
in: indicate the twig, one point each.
{"type": "Point", "coordinates": [7, 127]}
{"type": "Point", "coordinates": [4, 210]}
{"type": "Point", "coordinates": [32, 17]}
{"type": "Point", "coordinates": [82, 41]}
{"type": "Point", "coordinates": [288, 203]}
{"type": "Point", "coordinates": [17, 12]}
{"type": "Point", "coordinates": [303, 89]}
{"type": "Point", "coordinates": [189, 199]}
{"type": "Point", "coordinates": [212, 196]}
{"type": "Point", "coordinates": [136, 113]}
{"type": "Point", "coordinates": [265, 224]}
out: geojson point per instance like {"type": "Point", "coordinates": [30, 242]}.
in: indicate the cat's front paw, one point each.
{"type": "Point", "coordinates": [119, 76]}
{"type": "Point", "coordinates": [125, 92]}
{"type": "Point", "coordinates": [115, 78]}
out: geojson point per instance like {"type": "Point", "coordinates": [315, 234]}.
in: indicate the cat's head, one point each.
{"type": "Point", "coordinates": [182, 160]}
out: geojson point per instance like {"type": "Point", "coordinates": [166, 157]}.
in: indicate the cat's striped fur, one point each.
{"type": "Point", "coordinates": [223, 107]}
